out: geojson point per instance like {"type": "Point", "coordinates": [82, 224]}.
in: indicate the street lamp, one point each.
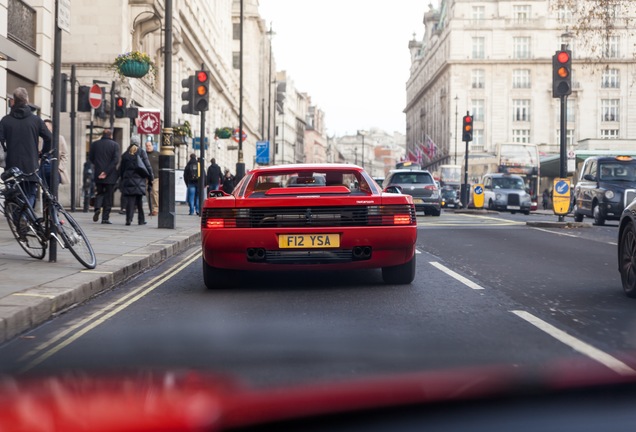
{"type": "Point", "coordinates": [456, 125]}
{"type": "Point", "coordinates": [362, 134]}
{"type": "Point", "coordinates": [270, 35]}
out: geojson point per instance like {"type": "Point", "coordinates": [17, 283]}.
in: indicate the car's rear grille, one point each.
{"type": "Point", "coordinates": [630, 194]}
{"type": "Point", "coordinates": [309, 257]}
{"type": "Point", "coordinates": [294, 217]}
{"type": "Point", "coordinates": [513, 199]}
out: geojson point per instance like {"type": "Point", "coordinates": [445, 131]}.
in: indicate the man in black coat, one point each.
{"type": "Point", "coordinates": [104, 154]}
{"type": "Point", "coordinates": [214, 176]}
{"type": "Point", "coordinates": [19, 133]}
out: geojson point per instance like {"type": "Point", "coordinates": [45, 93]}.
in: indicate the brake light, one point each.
{"type": "Point", "coordinates": [401, 219]}
{"type": "Point", "coordinates": [215, 223]}
{"type": "Point", "coordinates": [430, 187]}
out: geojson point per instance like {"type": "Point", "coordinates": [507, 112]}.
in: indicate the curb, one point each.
{"type": "Point", "coordinates": [24, 310]}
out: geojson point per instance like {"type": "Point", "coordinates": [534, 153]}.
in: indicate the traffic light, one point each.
{"type": "Point", "coordinates": [562, 73]}
{"type": "Point", "coordinates": [82, 99]}
{"type": "Point", "coordinates": [202, 90]}
{"type": "Point", "coordinates": [188, 95]}
{"type": "Point", "coordinates": [467, 128]}
{"type": "Point", "coordinates": [120, 107]}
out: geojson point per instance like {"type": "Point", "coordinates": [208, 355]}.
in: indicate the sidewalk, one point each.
{"type": "Point", "coordinates": [32, 291]}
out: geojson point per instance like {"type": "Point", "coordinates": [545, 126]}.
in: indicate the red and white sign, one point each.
{"type": "Point", "coordinates": [149, 122]}
{"type": "Point", "coordinates": [95, 96]}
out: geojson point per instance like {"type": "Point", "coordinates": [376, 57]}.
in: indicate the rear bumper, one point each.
{"type": "Point", "coordinates": [228, 248]}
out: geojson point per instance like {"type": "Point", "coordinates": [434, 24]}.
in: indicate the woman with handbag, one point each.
{"type": "Point", "coordinates": [133, 172]}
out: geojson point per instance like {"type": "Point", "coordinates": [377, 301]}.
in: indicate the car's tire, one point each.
{"type": "Point", "coordinates": [599, 219]}
{"type": "Point", "coordinates": [435, 212]}
{"type": "Point", "coordinates": [215, 278]}
{"type": "Point", "coordinates": [578, 217]}
{"type": "Point", "coordinates": [399, 275]}
{"type": "Point", "coordinates": [526, 212]}
{"type": "Point", "coordinates": [491, 206]}
{"type": "Point", "coordinates": [627, 259]}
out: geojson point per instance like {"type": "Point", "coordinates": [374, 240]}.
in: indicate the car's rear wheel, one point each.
{"type": "Point", "coordinates": [401, 274]}
{"type": "Point", "coordinates": [216, 278]}
{"type": "Point", "coordinates": [599, 219]}
{"type": "Point", "coordinates": [435, 212]}
{"type": "Point", "coordinates": [627, 256]}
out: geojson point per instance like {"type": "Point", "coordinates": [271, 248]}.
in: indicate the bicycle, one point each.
{"type": "Point", "coordinates": [32, 232]}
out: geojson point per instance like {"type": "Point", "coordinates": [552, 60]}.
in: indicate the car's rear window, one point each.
{"type": "Point", "coordinates": [352, 180]}
{"type": "Point", "coordinates": [413, 178]}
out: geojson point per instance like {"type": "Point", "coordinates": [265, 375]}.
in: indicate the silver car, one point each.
{"type": "Point", "coordinates": [506, 192]}
{"type": "Point", "coordinates": [420, 185]}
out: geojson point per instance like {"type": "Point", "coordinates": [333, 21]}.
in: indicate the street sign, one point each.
{"type": "Point", "coordinates": [95, 96]}
{"type": "Point", "coordinates": [561, 196]}
{"type": "Point", "coordinates": [149, 122]}
{"type": "Point", "coordinates": [196, 143]}
{"type": "Point", "coordinates": [262, 152]}
{"type": "Point", "coordinates": [235, 135]}
{"type": "Point", "coordinates": [64, 15]}
{"type": "Point", "coordinates": [478, 195]}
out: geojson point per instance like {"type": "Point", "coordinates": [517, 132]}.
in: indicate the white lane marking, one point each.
{"type": "Point", "coordinates": [417, 251]}
{"type": "Point", "coordinates": [462, 279]}
{"type": "Point", "coordinates": [557, 233]}
{"type": "Point", "coordinates": [584, 348]}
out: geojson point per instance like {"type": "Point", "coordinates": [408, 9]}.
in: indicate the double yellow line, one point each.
{"type": "Point", "coordinates": [71, 334]}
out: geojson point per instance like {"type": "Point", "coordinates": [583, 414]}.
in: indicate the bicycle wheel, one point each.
{"type": "Point", "coordinates": [27, 232]}
{"type": "Point", "coordinates": [74, 238]}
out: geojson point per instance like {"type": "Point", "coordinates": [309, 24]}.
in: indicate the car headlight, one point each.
{"type": "Point", "coordinates": [609, 194]}
{"type": "Point", "coordinates": [498, 196]}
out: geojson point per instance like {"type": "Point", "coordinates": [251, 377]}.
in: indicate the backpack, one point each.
{"type": "Point", "coordinates": [191, 174]}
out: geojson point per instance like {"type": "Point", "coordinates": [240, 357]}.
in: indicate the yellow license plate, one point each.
{"type": "Point", "coordinates": [308, 241]}
{"type": "Point", "coordinates": [418, 200]}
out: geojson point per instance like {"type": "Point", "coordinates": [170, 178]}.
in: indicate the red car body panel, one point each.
{"type": "Point", "coordinates": [225, 244]}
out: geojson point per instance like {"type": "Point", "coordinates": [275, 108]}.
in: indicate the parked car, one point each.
{"type": "Point", "coordinates": [606, 185]}
{"type": "Point", "coordinates": [506, 192]}
{"type": "Point", "coordinates": [308, 217]}
{"type": "Point", "coordinates": [627, 249]}
{"type": "Point", "coordinates": [420, 185]}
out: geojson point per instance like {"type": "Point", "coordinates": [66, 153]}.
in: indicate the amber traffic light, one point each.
{"type": "Point", "coordinates": [202, 90]}
{"type": "Point", "coordinates": [562, 73]}
{"type": "Point", "coordinates": [467, 128]}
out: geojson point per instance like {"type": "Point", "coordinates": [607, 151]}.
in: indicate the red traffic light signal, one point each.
{"type": "Point", "coordinates": [467, 128]}
{"type": "Point", "coordinates": [201, 93]}
{"type": "Point", "coordinates": [562, 73]}
{"type": "Point", "coordinates": [120, 107]}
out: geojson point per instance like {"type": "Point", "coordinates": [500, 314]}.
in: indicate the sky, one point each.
{"type": "Point", "coordinates": [350, 56]}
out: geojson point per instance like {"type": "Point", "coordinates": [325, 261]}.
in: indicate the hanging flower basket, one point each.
{"type": "Point", "coordinates": [223, 133]}
{"type": "Point", "coordinates": [134, 69]}
{"type": "Point", "coordinates": [133, 64]}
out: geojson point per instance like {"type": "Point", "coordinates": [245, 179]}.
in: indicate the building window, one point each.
{"type": "Point", "coordinates": [479, 48]}
{"type": "Point", "coordinates": [564, 15]}
{"type": "Point", "coordinates": [570, 118]}
{"type": "Point", "coordinates": [569, 137]}
{"type": "Point", "coordinates": [521, 46]}
{"type": "Point", "coordinates": [521, 78]}
{"type": "Point", "coordinates": [610, 79]}
{"type": "Point", "coordinates": [236, 60]}
{"type": "Point", "coordinates": [521, 135]}
{"type": "Point", "coordinates": [521, 110]}
{"type": "Point", "coordinates": [610, 110]}
{"type": "Point", "coordinates": [478, 76]}
{"type": "Point", "coordinates": [609, 133]}
{"type": "Point", "coordinates": [236, 31]}
{"type": "Point", "coordinates": [478, 110]}
{"type": "Point", "coordinates": [478, 138]}
{"type": "Point", "coordinates": [521, 13]}
{"type": "Point", "coordinates": [479, 13]}
{"type": "Point", "coordinates": [611, 47]}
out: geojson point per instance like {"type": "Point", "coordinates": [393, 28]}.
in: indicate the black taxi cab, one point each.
{"type": "Point", "coordinates": [606, 185]}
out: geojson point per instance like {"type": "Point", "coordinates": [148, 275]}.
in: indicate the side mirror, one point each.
{"type": "Point", "coordinates": [589, 177]}
{"type": "Point", "coordinates": [393, 189]}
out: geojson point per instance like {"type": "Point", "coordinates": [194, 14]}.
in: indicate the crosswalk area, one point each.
{"type": "Point", "coordinates": [459, 220]}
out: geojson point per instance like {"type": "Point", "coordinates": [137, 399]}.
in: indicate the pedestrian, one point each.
{"type": "Point", "coordinates": [132, 181]}
{"type": "Point", "coordinates": [545, 198]}
{"type": "Point", "coordinates": [191, 179]}
{"type": "Point", "coordinates": [153, 186]}
{"type": "Point", "coordinates": [228, 182]}
{"type": "Point", "coordinates": [62, 160]}
{"type": "Point", "coordinates": [104, 154]}
{"type": "Point", "coordinates": [19, 133]}
{"type": "Point", "coordinates": [214, 177]}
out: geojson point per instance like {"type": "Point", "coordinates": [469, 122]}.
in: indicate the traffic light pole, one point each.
{"type": "Point", "coordinates": [563, 169]}
{"type": "Point", "coordinates": [464, 191]}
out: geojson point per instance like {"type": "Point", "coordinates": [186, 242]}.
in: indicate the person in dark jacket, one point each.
{"type": "Point", "coordinates": [132, 183]}
{"type": "Point", "coordinates": [104, 154]}
{"type": "Point", "coordinates": [153, 185]}
{"type": "Point", "coordinates": [228, 182]}
{"type": "Point", "coordinates": [19, 133]}
{"type": "Point", "coordinates": [191, 179]}
{"type": "Point", "coordinates": [213, 176]}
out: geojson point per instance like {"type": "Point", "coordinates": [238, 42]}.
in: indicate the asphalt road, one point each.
{"type": "Point", "coordinates": [488, 290]}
